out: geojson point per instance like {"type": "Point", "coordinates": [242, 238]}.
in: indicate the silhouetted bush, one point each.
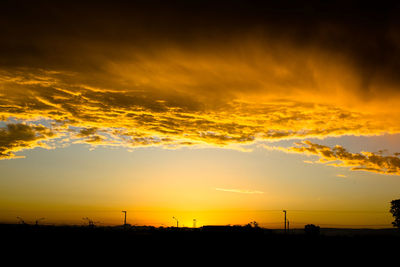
{"type": "Point", "coordinates": [252, 224]}
{"type": "Point", "coordinates": [311, 230]}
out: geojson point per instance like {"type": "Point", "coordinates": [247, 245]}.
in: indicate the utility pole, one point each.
{"type": "Point", "coordinates": [285, 220]}
{"type": "Point", "coordinates": [124, 211]}
{"type": "Point", "coordinates": [177, 222]}
{"type": "Point", "coordinates": [288, 226]}
{"type": "Point", "coordinates": [194, 223]}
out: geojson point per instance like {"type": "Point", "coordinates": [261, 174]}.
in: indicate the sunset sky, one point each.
{"type": "Point", "coordinates": [222, 111]}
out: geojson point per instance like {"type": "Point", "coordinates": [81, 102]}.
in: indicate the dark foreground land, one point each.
{"type": "Point", "coordinates": [222, 243]}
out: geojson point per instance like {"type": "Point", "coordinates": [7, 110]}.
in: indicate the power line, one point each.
{"type": "Point", "coordinates": [329, 224]}
{"type": "Point", "coordinates": [328, 211]}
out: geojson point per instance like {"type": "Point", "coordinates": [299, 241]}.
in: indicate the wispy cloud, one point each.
{"type": "Point", "coordinates": [241, 191]}
{"type": "Point", "coordinates": [338, 156]}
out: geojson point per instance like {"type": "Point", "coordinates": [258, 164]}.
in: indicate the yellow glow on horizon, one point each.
{"type": "Point", "coordinates": [272, 219]}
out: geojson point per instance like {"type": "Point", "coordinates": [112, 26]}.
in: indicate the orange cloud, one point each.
{"type": "Point", "coordinates": [17, 137]}
{"type": "Point", "coordinates": [185, 81]}
{"type": "Point", "coordinates": [340, 157]}
{"type": "Point", "coordinates": [158, 117]}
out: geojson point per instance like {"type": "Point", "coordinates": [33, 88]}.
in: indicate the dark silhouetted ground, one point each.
{"type": "Point", "coordinates": [190, 246]}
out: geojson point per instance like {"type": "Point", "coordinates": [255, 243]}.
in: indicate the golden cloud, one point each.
{"type": "Point", "coordinates": [340, 157]}
{"type": "Point", "coordinates": [16, 137]}
{"type": "Point", "coordinates": [171, 79]}
{"type": "Point", "coordinates": [161, 117]}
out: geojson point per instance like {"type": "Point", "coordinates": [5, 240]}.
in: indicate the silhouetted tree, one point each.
{"type": "Point", "coordinates": [21, 221]}
{"type": "Point", "coordinates": [91, 223]}
{"type": "Point", "coordinates": [395, 210]}
{"type": "Point", "coordinates": [252, 224]}
{"type": "Point", "coordinates": [311, 230]}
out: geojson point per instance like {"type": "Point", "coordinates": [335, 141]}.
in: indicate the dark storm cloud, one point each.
{"type": "Point", "coordinates": [17, 136]}
{"type": "Point", "coordinates": [81, 34]}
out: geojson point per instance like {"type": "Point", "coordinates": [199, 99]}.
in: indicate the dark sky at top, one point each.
{"type": "Point", "coordinates": [46, 33]}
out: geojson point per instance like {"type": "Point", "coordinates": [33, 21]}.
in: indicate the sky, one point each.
{"type": "Point", "coordinates": [225, 112]}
